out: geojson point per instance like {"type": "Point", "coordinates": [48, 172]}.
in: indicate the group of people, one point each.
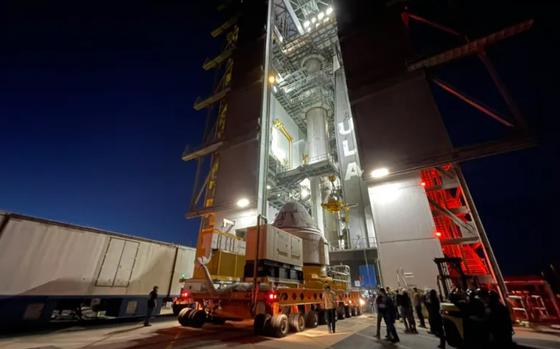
{"type": "Point", "coordinates": [486, 320]}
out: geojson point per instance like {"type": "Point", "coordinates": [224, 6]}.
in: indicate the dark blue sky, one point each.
{"type": "Point", "coordinates": [96, 109]}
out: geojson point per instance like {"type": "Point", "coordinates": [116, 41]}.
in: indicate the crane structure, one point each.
{"type": "Point", "coordinates": [324, 104]}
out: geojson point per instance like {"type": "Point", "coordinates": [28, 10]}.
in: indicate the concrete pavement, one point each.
{"type": "Point", "coordinates": [355, 333]}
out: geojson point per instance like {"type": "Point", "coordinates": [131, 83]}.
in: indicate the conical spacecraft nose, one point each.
{"type": "Point", "coordinates": [294, 215]}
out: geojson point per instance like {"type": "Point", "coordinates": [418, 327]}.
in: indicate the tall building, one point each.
{"type": "Point", "coordinates": [317, 102]}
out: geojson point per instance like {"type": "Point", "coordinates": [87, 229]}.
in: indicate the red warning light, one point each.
{"type": "Point", "coordinates": [438, 234]}
{"type": "Point", "coordinates": [423, 183]}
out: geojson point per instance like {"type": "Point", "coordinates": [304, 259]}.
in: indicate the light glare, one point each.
{"type": "Point", "coordinates": [321, 15]}
{"type": "Point", "coordinates": [306, 24]}
{"type": "Point", "coordinates": [379, 172]}
{"type": "Point", "coordinates": [329, 11]}
{"type": "Point", "coordinates": [243, 202]}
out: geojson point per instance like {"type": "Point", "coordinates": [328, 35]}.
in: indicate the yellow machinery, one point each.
{"type": "Point", "coordinates": [225, 253]}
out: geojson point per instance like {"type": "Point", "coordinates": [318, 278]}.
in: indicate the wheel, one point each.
{"type": "Point", "coordinates": [280, 325]}
{"type": "Point", "coordinates": [262, 321]}
{"type": "Point", "coordinates": [197, 318]}
{"type": "Point", "coordinates": [322, 317]}
{"type": "Point", "coordinates": [184, 316]}
{"type": "Point", "coordinates": [339, 313]}
{"type": "Point", "coordinates": [297, 322]}
{"type": "Point", "coordinates": [311, 320]}
{"type": "Point", "coordinates": [347, 311]}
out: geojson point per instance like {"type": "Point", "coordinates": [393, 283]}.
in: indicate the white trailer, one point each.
{"type": "Point", "coordinates": [52, 270]}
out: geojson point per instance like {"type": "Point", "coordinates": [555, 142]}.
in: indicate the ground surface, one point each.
{"type": "Point", "coordinates": [354, 333]}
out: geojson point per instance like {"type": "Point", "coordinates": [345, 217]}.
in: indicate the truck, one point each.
{"type": "Point", "coordinates": [53, 271]}
{"type": "Point", "coordinates": [281, 288]}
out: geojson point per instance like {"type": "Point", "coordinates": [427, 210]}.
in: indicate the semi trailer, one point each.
{"type": "Point", "coordinates": [53, 271]}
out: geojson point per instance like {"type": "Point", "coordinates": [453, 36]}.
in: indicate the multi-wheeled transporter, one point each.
{"type": "Point", "coordinates": [284, 276]}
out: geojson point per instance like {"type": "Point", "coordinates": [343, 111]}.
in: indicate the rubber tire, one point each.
{"type": "Point", "coordinates": [297, 322]}
{"type": "Point", "coordinates": [311, 319]}
{"type": "Point", "coordinates": [260, 324]}
{"type": "Point", "coordinates": [322, 317]}
{"type": "Point", "coordinates": [280, 325]}
{"type": "Point", "coordinates": [184, 316]}
{"type": "Point", "coordinates": [198, 318]}
{"type": "Point", "coordinates": [340, 313]}
{"type": "Point", "coordinates": [347, 311]}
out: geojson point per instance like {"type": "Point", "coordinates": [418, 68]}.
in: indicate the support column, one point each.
{"type": "Point", "coordinates": [316, 200]}
{"type": "Point", "coordinates": [317, 138]}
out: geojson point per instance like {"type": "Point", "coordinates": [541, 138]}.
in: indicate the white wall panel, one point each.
{"type": "Point", "coordinates": [154, 264]}
{"type": "Point", "coordinates": [126, 263]}
{"type": "Point", "coordinates": [40, 259]}
{"type": "Point", "coordinates": [110, 263]}
{"type": "Point", "coordinates": [404, 229]}
{"type": "Point", "coordinates": [45, 258]}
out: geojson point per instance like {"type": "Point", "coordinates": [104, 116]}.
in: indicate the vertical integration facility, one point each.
{"type": "Point", "coordinates": [322, 102]}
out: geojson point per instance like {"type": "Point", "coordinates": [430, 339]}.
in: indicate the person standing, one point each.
{"type": "Point", "coordinates": [152, 302]}
{"type": "Point", "coordinates": [329, 303]}
{"type": "Point", "coordinates": [499, 320]}
{"type": "Point", "coordinates": [390, 317]}
{"type": "Point", "coordinates": [380, 307]}
{"type": "Point", "coordinates": [417, 300]}
{"type": "Point", "coordinates": [436, 321]}
{"type": "Point", "coordinates": [408, 313]}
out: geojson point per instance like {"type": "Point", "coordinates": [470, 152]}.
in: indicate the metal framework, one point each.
{"type": "Point", "coordinates": [457, 223]}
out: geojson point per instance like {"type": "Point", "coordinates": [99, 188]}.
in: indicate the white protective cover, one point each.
{"type": "Point", "coordinates": [275, 245]}
{"type": "Point", "coordinates": [295, 219]}
{"type": "Point", "coordinates": [40, 257]}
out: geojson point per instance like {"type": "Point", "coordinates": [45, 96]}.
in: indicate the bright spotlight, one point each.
{"type": "Point", "coordinates": [271, 79]}
{"type": "Point", "coordinates": [379, 172]}
{"type": "Point", "coordinates": [268, 186]}
{"type": "Point", "coordinates": [321, 15]}
{"type": "Point", "coordinates": [243, 202]}
{"type": "Point", "coordinates": [306, 24]}
{"type": "Point", "coordinates": [329, 11]}
{"type": "Point", "coordinates": [314, 19]}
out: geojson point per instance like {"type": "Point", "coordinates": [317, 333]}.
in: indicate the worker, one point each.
{"type": "Point", "coordinates": [380, 308]}
{"type": "Point", "coordinates": [408, 312]}
{"type": "Point", "coordinates": [390, 315]}
{"type": "Point", "coordinates": [152, 302]}
{"type": "Point", "coordinates": [417, 301]}
{"type": "Point", "coordinates": [436, 321]}
{"type": "Point", "coordinates": [499, 320]}
{"type": "Point", "coordinates": [329, 303]}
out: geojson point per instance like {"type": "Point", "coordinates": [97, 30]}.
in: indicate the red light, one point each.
{"type": "Point", "coordinates": [272, 296]}
{"type": "Point", "coordinates": [423, 184]}
{"type": "Point", "coordinates": [185, 294]}
{"type": "Point", "coordinates": [438, 234]}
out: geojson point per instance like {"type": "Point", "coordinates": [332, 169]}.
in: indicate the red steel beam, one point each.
{"type": "Point", "coordinates": [477, 105]}
{"type": "Point", "coordinates": [473, 47]}
{"type": "Point", "coordinates": [436, 25]}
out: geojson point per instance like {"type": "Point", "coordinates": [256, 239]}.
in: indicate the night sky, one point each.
{"type": "Point", "coordinates": [96, 109]}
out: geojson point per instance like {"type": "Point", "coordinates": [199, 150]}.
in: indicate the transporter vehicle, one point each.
{"type": "Point", "coordinates": [281, 288]}
{"type": "Point", "coordinates": [53, 272]}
